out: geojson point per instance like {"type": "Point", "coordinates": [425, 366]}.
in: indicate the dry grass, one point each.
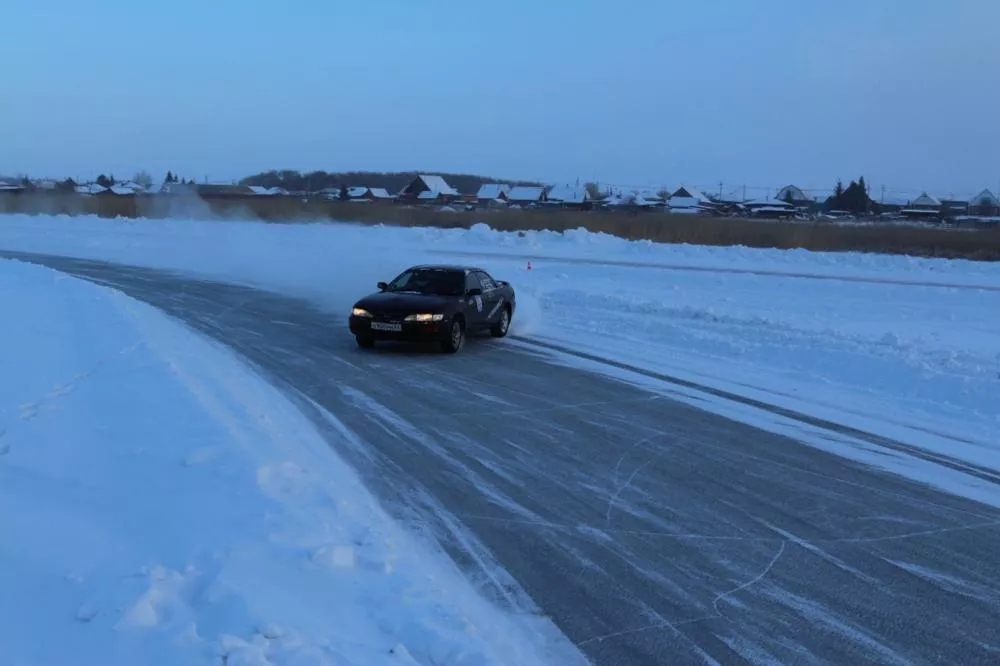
{"type": "Point", "coordinates": [983, 244]}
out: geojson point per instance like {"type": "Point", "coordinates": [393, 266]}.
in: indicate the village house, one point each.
{"type": "Point", "coordinates": [924, 207]}
{"type": "Point", "coordinates": [268, 191]}
{"type": "Point", "coordinates": [690, 200]}
{"type": "Point", "coordinates": [526, 195]}
{"type": "Point", "coordinates": [634, 199]}
{"type": "Point", "coordinates": [569, 196]}
{"type": "Point", "coordinates": [492, 193]}
{"type": "Point", "coordinates": [360, 194]}
{"type": "Point", "coordinates": [429, 188]}
{"type": "Point", "coordinates": [954, 206]}
{"type": "Point", "coordinates": [985, 204]}
{"type": "Point", "coordinates": [794, 195]}
{"type": "Point", "coordinates": [11, 186]}
{"type": "Point", "coordinates": [770, 208]}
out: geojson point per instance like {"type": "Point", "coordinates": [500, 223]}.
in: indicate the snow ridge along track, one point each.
{"type": "Point", "coordinates": [980, 472]}
{"type": "Point", "coordinates": [718, 269]}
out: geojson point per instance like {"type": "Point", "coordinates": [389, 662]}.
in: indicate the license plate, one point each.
{"type": "Point", "coordinates": [382, 326]}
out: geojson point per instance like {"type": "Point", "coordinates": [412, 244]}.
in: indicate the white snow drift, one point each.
{"type": "Point", "coordinates": [161, 504]}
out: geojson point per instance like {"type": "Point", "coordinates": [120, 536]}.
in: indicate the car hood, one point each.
{"type": "Point", "coordinates": [398, 303]}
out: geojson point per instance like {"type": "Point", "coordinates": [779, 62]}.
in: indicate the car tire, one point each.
{"type": "Point", "coordinates": [501, 328]}
{"type": "Point", "coordinates": [365, 342]}
{"type": "Point", "coordinates": [456, 337]}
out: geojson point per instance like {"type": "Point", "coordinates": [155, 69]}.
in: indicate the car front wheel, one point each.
{"type": "Point", "coordinates": [456, 337]}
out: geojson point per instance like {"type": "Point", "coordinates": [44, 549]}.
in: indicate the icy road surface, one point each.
{"type": "Point", "coordinates": [649, 530]}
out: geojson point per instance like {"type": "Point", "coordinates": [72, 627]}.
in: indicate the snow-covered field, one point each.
{"type": "Point", "coordinates": [901, 346]}
{"type": "Point", "coordinates": [160, 503]}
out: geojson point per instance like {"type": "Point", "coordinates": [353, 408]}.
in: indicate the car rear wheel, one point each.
{"type": "Point", "coordinates": [500, 329]}
{"type": "Point", "coordinates": [456, 337]}
{"type": "Point", "coordinates": [364, 341]}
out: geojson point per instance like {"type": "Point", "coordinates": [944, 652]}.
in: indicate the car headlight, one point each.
{"type": "Point", "coordinates": [424, 317]}
{"type": "Point", "coordinates": [360, 312]}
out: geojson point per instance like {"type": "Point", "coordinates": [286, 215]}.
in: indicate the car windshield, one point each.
{"type": "Point", "coordinates": [430, 281]}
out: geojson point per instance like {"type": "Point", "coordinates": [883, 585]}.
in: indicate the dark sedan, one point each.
{"type": "Point", "coordinates": [442, 304]}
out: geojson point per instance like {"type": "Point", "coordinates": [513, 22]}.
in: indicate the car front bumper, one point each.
{"type": "Point", "coordinates": [409, 331]}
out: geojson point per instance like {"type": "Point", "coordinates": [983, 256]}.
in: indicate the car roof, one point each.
{"type": "Point", "coordinates": [446, 267]}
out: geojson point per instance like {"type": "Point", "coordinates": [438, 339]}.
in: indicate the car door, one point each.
{"type": "Point", "coordinates": [475, 312]}
{"type": "Point", "coordinates": [492, 298]}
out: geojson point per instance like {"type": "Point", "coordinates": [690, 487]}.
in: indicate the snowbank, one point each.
{"type": "Point", "coordinates": [159, 503]}
{"type": "Point", "coordinates": [875, 346]}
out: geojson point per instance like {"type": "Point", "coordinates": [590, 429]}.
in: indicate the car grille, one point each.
{"type": "Point", "coordinates": [388, 318]}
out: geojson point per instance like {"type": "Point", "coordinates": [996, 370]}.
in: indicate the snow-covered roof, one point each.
{"type": "Point", "coordinates": [796, 193]}
{"type": "Point", "coordinates": [429, 194]}
{"type": "Point", "coordinates": [926, 200]}
{"type": "Point", "coordinates": [569, 194]}
{"type": "Point", "coordinates": [630, 199]}
{"type": "Point", "coordinates": [492, 190]}
{"type": "Point", "coordinates": [122, 190]}
{"type": "Point", "coordinates": [437, 184]}
{"type": "Point", "coordinates": [92, 188]}
{"type": "Point", "coordinates": [768, 203]}
{"type": "Point", "coordinates": [690, 193]}
{"type": "Point", "coordinates": [526, 193]}
{"type": "Point", "coordinates": [357, 192]}
{"type": "Point", "coordinates": [380, 193]}
{"type": "Point", "coordinates": [985, 198]}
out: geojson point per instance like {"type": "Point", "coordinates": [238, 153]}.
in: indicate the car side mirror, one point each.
{"type": "Point", "coordinates": [475, 291]}
{"type": "Point", "coordinates": [382, 286]}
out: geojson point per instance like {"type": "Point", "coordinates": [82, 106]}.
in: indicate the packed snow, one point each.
{"type": "Point", "coordinates": [904, 347]}
{"type": "Point", "coordinates": [161, 503]}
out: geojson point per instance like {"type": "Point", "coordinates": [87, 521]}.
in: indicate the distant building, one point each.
{"type": "Point", "coordinates": [11, 186]}
{"type": "Point", "coordinates": [770, 208]}
{"type": "Point", "coordinates": [924, 207]}
{"type": "Point", "coordinates": [429, 188]}
{"type": "Point", "coordinates": [690, 200]}
{"type": "Point", "coordinates": [493, 192]}
{"type": "Point", "coordinates": [268, 191]}
{"type": "Point", "coordinates": [368, 194]}
{"type": "Point", "coordinates": [526, 195]}
{"type": "Point", "coordinates": [569, 196]}
{"type": "Point", "coordinates": [985, 204]}
{"type": "Point", "coordinates": [793, 195]}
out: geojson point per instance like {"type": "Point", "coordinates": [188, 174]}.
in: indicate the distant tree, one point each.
{"type": "Point", "coordinates": [854, 198]}
{"type": "Point", "coordinates": [27, 184]}
{"type": "Point", "coordinates": [593, 190]}
{"type": "Point", "coordinates": [68, 185]}
{"type": "Point", "coordinates": [170, 177]}
{"type": "Point", "coordinates": [344, 194]}
{"type": "Point", "coordinates": [143, 178]}
{"type": "Point", "coordinates": [104, 181]}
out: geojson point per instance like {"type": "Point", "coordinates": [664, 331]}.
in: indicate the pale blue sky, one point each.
{"type": "Point", "coordinates": [757, 92]}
